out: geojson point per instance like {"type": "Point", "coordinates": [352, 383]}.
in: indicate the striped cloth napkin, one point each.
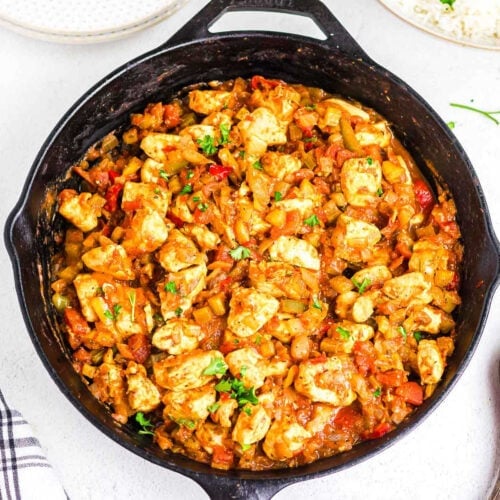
{"type": "Point", "coordinates": [25, 474]}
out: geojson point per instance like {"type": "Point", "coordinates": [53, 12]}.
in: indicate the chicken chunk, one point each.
{"type": "Point", "coordinates": [352, 333]}
{"type": "Point", "coordinates": [181, 289]}
{"type": "Point", "coordinates": [145, 195]}
{"type": "Point", "coordinates": [142, 394]}
{"type": "Point", "coordinates": [250, 310]}
{"type": "Point", "coordinates": [83, 210]}
{"type": "Point", "coordinates": [325, 381]}
{"type": "Point", "coordinates": [211, 436]}
{"type": "Point", "coordinates": [224, 412]}
{"type": "Point", "coordinates": [87, 287]}
{"type": "Point", "coordinates": [282, 101]}
{"type": "Point", "coordinates": [322, 414]}
{"type": "Point", "coordinates": [360, 179]}
{"type": "Point", "coordinates": [155, 145]}
{"type": "Point", "coordinates": [295, 251]}
{"type": "Point", "coordinates": [372, 275]}
{"type": "Point", "coordinates": [185, 371]}
{"type": "Point", "coordinates": [110, 259]}
{"type": "Point", "coordinates": [280, 279]}
{"type": "Point", "coordinates": [408, 289]}
{"type": "Point", "coordinates": [189, 406]}
{"type": "Point", "coordinates": [148, 231]}
{"type": "Point", "coordinates": [177, 336]}
{"type": "Point", "coordinates": [261, 129]}
{"type": "Point", "coordinates": [205, 239]}
{"type": "Point", "coordinates": [152, 171]}
{"type": "Point", "coordinates": [279, 165]}
{"type": "Point", "coordinates": [205, 102]}
{"type": "Point", "coordinates": [179, 252]}
{"type": "Point", "coordinates": [429, 319]}
{"type": "Point", "coordinates": [251, 427]}
{"type": "Point", "coordinates": [430, 362]}
{"type": "Point", "coordinates": [247, 364]}
{"type": "Point", "coordinates": [376, 133]}
{"type": "Point", "coordinates": [348, 107]}
{"type": "Point", "coordinates": [285, 439]}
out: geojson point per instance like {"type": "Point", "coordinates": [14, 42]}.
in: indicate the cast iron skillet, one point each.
{"type": "Point", "coordinates": [193, 55]}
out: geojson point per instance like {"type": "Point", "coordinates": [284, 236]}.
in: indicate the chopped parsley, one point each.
{"type": "Point", "coordinates": [216, 367]}
{"type": "Point", "coordinates": [239, 253]}
{"type": "Point", "coordinates": [451, 125]}
{"type": "Point", "coordinates": [187, 189]}
{"type": "Point", "coordinates": [237, 391]}
{"type": "Point", "coordinates": [178, 311]}
{"type": "Point", "coordinates": [380, 192]}
{"type": "Point", "coordinates": [224, 133]}
{"type": "Point", "coordinates": [278, 196]}
{"type": "Point", "coordinates": [214, 407]}
{"type": "Point", "coordinates": [258, 340]}
{"type": "Point", "coordinates": [207, 144]}
{"type": "Point", "coordinates": [312, 220]}
{"type": "Point", "coordinates": [146, 425]}
{"type": "Point", "coordinates": [417, 336]}
{"type": "Point", "coordinates": [189, 174]}
{"type": "Point", "coordinates": [245, 447]}
{"type": "Point", "coordinates": [448, 2]}
{"type": "Point", "coordinates": [257, 165]}
{"type": "Point", "coordinates": [196, 199]}
{"type": "Point", "coordinates": [242, 154]}
{"type": "Point", "coordinates": [186, 422]}
{"type": "Point", "coordinates": [316, 303]}
{"type": "Point", "coordinates": [369, 161]}
{"type": "Point", "coordinates": [402, 331]}
{"type": "Point", "coordinates": [343, 332]}
{"type": "Point", "coordinates": [361, 286]}
{"type": "Point", "coordinates": [243, 370]}
{"type": "Point", "coordinates": [202, 207]}
{"type": "Point", "coordinates": [164, 175]}
{"type": "Point", "coordinates": [377, 392]}
{"type": "Point", "coordinates": [247, 410]}
{"type": "Point", "coordinates": [171, 287]}
{"type": "Point", "coordinates": [113, 315]}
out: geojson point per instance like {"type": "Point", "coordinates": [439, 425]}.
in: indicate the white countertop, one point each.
{"type": "Point", "coordinates": [454, 453]}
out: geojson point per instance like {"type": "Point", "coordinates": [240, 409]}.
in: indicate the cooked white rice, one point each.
{"type": "Point", "coordinates": [476, 21]}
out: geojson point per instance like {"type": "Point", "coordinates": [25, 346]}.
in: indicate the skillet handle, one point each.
{"type": "Point", "coordinates": [336, 35]}
{"type": "Point", "coordinates": [232, 488]}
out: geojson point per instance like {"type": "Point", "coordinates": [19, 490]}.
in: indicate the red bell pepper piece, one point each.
{"type": "Point", "coordinates": [423, 195]}
{"type": "Point", "coordinates": [411, 392]}
{"type": "Point", "coordinates": [112, 195]}
{"type": "Point", "coordinates": [378, 431]}
{"type": "Point", "coordinates": [176, 220]}
{"type": "Point", "coordinates": [220, 172]}
{"type": "Point", "coordinates": [259, 81]}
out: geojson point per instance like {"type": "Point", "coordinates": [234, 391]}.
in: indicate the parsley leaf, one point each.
{"type": "Point", "coordinates": [238, 391]}
{"type": "Point", "coordinates": [187, 189]}
{"type": "Point", "coordinates": [257, 165]}
{"type": "Point", "coordinates": [113, 315]}
{"type": "Point", "coordinates": [343, 332]}
{"type": "Point", "coordinates": [448, 2]}
{"type": "Point", "coordinates": [402, 331]}
{"type": "Point", "coordinates": [186, 422]}
{"type": "Point", "coordinates": [312, 220]}
{"type": "Point", "coordinates": [369, 161]}
{"type": "Point", "coordinates": [146, 425]}
{"type": "Point", "coordinates": [171, 287]}
{"type": "Point", "coordinates": [417, 336]}
{"type": "Point", "coordinates": [164, 175]}
{"type": "Point", "coordinates": [202, 207]}
{"type": "Point", "coordinates": [278, 196]}
{"type": "Point", "coordinates": [377, 392]}
{"type": "Point", "coordinates": [361, 286]}
{"type": "Point", "coordinates": [207, 144]}
{"type": "Point", "coordinates": [213, 408]}
{"type": "Point", "coordinates": [247, 410]}
{"type": "Point", "coordinates": [316, 303]}
{"type": "Point", "coordinates": [239, 253]}
{"type": "Point", "coordinates": [380, 192]}
{"type": "Point", "coordinates": [216, 367]}
{"type": "Point", "coordinates": [178, 311]}
{"type": "Point", "coordinates": [224, 133]}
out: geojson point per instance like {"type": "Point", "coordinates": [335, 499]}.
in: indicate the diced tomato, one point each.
{"type": "Point", "coordinates": [222, 457]}
{"type": "Point", "coordinates": [364, 357]}
{"type": "Point", "coordinates": [293, 223]}
{"type": "Point", "coordinates": [378, 431]}
{"type": "Point", "coordinates": [392, 378]}
{"type": "Point", "coordinates": [225, 283]}
{"type": "Point", "coordinates": [220, 172]}
{"type": "Point", "coordinates": [347, 418]}
{"type": "Point", "coordinates": [325, 326]}
{"type": "Point", "coordinates": [227, 347]}
{"type": "Point", "coordinates": [411, 392]}
{"type": "Point", "coordinates": [176, 220]}
{"type": "Point", "coordinates": [423, 195]}
{"type": "Point", "coordinates": [168, 148]}
{"type": "Point", "coordinates": [455, 282]}
{"type": "Point", "coordinates": [222, 254]}
{"type": "Point", "coordinates": [112, 195]}
{"type": "Point", "coordinates": [171, 115]}
{"type": "Point", "coordinates": [261, 82]}
{"type": "Point", "coordinates": [77, 325]}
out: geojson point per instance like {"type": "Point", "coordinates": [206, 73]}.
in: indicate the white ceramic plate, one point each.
{"type": "Point", "coordinates": [83, 21]}
{"type": "Point", "coordinates": [422, 18]}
